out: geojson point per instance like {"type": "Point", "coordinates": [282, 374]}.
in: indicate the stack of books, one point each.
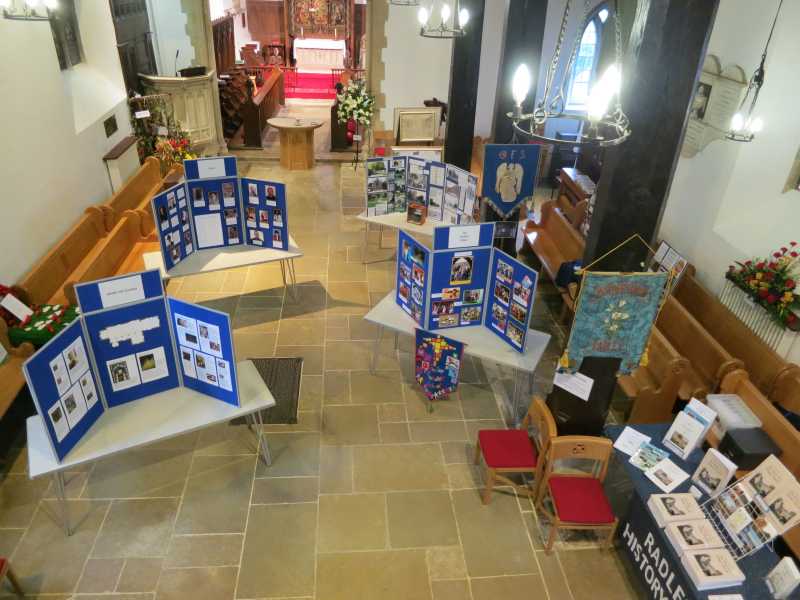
{"type": "Point", "coordinates": [672, 508]}
{"type": "Point", "coordinates": [712, 569]}
{"type": "Point", "coordinates": [693, 535]}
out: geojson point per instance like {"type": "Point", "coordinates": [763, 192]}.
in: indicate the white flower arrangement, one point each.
{"type": "Point", "coordinates": [356, 103]}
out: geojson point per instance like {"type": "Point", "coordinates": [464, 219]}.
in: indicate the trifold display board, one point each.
{"type": "Point", "coordinates": [129, 343]}
{"type": "Point", "coordinates": [449, 193]}
{"type": "Point", "coordinates": [215, 208]}
{"type": "Point", "coordinates": [465, 282]}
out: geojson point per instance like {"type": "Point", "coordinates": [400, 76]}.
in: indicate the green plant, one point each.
{"type": "Point", "coordinates": [771, 283]}
{"type": "Point", "coordinates": [158, 133]}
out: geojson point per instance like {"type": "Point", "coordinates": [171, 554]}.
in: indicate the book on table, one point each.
{"type": "Point", "coordinates": [693, 535]}
{"type": "Point", "coordinates": [712, 569]}
{"type": "Point", "coordinates": [670, 508]}
{"type": "Point", "coordinates": [685, 434]}
{"type": "Point", "coordinates": [666, 475]}
{"type": "Point", "coordinates": [714, 472]}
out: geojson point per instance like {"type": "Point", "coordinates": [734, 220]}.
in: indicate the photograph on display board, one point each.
{"type": "Point", "coordinates": [416, 174]}
{"type": "Point", "coordinates": [252, 193]}
{"type": "Point", "coordinates": [614, 316]}
{"type": "Point", "coordinates": [213, 200]}
{"type": "Point", "coordinates": [461, 270]}
{"type": "Point", "coordinates": [228, 195]}
{"type": "Point", "coordinates": [512, 288]}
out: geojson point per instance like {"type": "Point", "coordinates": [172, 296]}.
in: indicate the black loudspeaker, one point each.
{"type": "Point", "coordinates": [192, 71]}
{"type": "Point", "coordinates": [575, 416]}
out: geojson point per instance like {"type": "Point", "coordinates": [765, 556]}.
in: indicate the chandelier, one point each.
{"type": "Point", "coordinates": [404, 2]}
{"type": "Point", "coordinates": [745, 126]}
{"type": "Point", "coordinates": [451, 24]}
{"type": "Point", "coordinates": [29, 10]}
{"type": "Point", "coordinates": [604, 124]}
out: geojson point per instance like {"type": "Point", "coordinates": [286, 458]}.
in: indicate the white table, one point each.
{"type": "Point", "coordinates": [151, 419]}
{"type": "Point", "coordinates": [319, 53]}
{"type": "Point", "coordinates": [395, 220]}
{"type": "Point", "coordinates": [230, 257]}
{"type": "Point", "coordinates": [480, 343]}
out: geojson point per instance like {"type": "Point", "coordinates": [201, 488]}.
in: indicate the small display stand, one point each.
{"type": "Point", "coordinates": [131, 347]}
{"type": "Point", "coordinates": [218, 220]}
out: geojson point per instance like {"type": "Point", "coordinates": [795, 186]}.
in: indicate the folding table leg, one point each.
{"type": "Point", "coordinates": [364, 244]}
{"type": "Point", "coordinates": [396, 341]}
{"type": "Point", "coordinates": [263, 445]}
{"type": "Point", "coordinates": [293, 277]}
{"type": "Point", "coordinates": [62, 500]}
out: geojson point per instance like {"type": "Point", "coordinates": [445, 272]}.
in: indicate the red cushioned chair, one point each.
{"type": "Point", "coordinates": [5, 572]}
{"type": "Point", "coordinates": [577, 499]}
{"type": "Point", "coordinates": [512, 451]}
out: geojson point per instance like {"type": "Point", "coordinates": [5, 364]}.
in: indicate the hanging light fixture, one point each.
{"type": "Point", "coordinates": [744, 125]}
{"type": "Point", "coordinates": [451, 21]}
{"type": "Point", "coordinates": [604, 124]}
{"type": "Point", "coordinates": [28, 10]}
{"type": "Point", "coordinates": [404, 2]}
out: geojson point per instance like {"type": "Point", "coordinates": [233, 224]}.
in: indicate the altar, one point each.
{"type": "Point", "coordinates": [319, 54]}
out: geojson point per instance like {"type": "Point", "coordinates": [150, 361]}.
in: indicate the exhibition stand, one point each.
{"type": "Point", "coordinates": [655, 561]}
{"type": "Point", "coordinates": [134, 368]}
{"type": "Point", "coordinates": [218, 220]}
{"type": "Point", "coordinates": [480, 343]}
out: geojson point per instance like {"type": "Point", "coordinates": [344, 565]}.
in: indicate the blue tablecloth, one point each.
{"type": "Point", "coordinates": [654, 559]}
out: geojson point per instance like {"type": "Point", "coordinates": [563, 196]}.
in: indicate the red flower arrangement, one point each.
{"type": "Point", "coordinates": [771, 283]}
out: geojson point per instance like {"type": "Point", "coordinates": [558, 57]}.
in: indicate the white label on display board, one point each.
{"type": "Point", "coordinates": [211, 167]}
{"type": "Point", "coordinates": [464, 237]}
{"type": "Point", "coordinates": [15, 307]}
{"type": "Point", "coordinates": [141, 114]}
{"type": "Point", "coordinates": [209, 230]}
{"type": "Point", "coordinates": [121, 291]}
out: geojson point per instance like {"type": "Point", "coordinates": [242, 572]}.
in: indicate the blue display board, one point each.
{"type": "Point", "coordinates": [463, 236]}
{"type": "Point", "coordinates": [510, 293]}
{"type": "Point", "coordinates": [216, 212]}
{"type": "Point", "coordinates": [64, 388]}
{"type": "Point", "coordinates": [205, 350]}
{"type": "Point", "coordinates": [458, 279]}
{"type": "Point", "coordinates": [173, 224]}
{"type": "Point", "coordinates": [210, 168]}
{"type": "Point", "coordinates": [437, 363]}
{"type": "Point", "coordinates": [265, 215]}
{"type": "Point", "coordinates": [133, 351]}
{"type": "Point", "coordinates": [115, 291]}
{"type": "Point", "coordinates": [509, 174]}
{"type": "Point", "coordinates": [413, 261]}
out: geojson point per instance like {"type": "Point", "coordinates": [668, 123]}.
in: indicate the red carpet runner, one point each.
{"type": "Point", "coordinates": [309, 86]}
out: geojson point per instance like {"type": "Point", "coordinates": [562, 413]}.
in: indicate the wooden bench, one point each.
{"type": "Point", "coordinates": [709, 362]}
{"type": "Point", "coordinates": [786, 391]}
{"type": "Point", "coordinates": [118, 252]}
{"type": "Point", "coordinates": [11, 378]}
{"type": "Point", "coordinates": [555, 241]}
{"type": "Point", "coordinates": [44, 283]}
{"type": "Point", "coordinates": [763, 364]}
{"type": "Point", "coordinates": [654, 388]}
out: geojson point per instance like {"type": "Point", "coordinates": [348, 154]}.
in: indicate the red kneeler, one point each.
{"type": "Point", "coordinates": [5, 572]}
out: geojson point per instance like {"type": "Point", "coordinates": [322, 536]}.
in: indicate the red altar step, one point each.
{"type": "Point", "coordinates": [309, 86]}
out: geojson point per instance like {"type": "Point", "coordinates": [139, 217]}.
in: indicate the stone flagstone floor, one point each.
{"type": "Point", "coordinates": [370, 496]}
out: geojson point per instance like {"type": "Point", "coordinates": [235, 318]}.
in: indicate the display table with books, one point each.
{"type": "Point", "coordinates": [653, 549]}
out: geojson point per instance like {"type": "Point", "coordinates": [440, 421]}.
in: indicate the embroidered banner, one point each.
{"type": "Point", "coordinates": [509, 174]}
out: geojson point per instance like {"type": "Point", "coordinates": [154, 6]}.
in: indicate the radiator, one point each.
{"type": "Point", "coordinates": [758, 320]}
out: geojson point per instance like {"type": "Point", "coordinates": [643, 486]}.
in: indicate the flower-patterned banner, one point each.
{"type": "Point", "coordinates": [614, 316]}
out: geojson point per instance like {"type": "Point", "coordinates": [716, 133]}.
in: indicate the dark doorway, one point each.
{"type": "Point", "coordinates": [134, 41]}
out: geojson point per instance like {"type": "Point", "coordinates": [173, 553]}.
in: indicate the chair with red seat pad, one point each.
{"type": "Point", "coordinates": [576, 497]}
{"type": "Point", "coordinates": [5, 572]}
{"type": "Point", "coordinates": [507, 451]}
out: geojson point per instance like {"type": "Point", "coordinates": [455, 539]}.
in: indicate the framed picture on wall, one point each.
{"type": "Point", "coordinates": [417, 125]}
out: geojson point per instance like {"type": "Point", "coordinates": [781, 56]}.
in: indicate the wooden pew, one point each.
{"type": "Point", "coordinates": [762, 363]}
{"type": "Point", "coordinates": [709, 361]}
{"type": "Point", "coordinates": [654, 388]}
{"type": "Point", "coordinates": [774, 424]}
{"type": "Point", "coordinates": [11, 378]}
{"type": "Point", "coordinates": [786, 391]}
{"type": "Point", "coordinates": [555, 241]}
{"type": "Point", "coordinates": [44, 283]}
{"type": "Point", "coordinates": [119, 252]}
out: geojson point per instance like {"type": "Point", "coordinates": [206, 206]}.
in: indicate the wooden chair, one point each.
{"type": "Point", "coordinates": [578, 500]}
{"type": "Point", "coordinates": [5, 572]}
{"type": "Point", "coordinates": [507, 451]}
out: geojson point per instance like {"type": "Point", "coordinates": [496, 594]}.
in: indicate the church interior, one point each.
{"type": "Point", "coordinates": [400, 300]}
